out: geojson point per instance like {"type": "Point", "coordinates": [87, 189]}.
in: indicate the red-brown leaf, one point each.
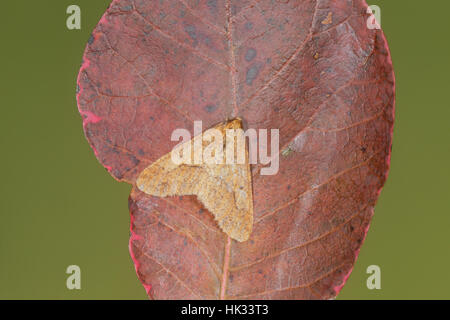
{"type": "Point", "coordinates": [311, 68]}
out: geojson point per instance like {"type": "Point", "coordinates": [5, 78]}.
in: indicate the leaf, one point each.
{"type": "Point", "coordinates": [310, 68]}
{"type": "Point", "coordinates": [224, 188]}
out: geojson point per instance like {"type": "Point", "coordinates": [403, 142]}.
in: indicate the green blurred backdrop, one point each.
{"type": "Point", "coordinates": [60, 207]}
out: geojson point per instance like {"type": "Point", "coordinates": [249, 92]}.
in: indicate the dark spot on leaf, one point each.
{"type": "Point", "coordinates": [211, 108]}
{"type": "Point", "coordinates": [131, 203]}
{"type": "Point", "coordinates": [117, 174]}
{"type": "Point", "coordinates": [212, 5]}
{"type": "Point", "coordinates": [91, 39]}
{"type": "Point", "coordinates": [135, 160]}
{"type": "Point", "coordinates": [250, 55]}
{"type": "Point", "coordinates": [191, 31]}
{"type": "Point", "coordinates": [88, 132]}
{"type": "Point", "coordinates": [233, 10]}
{"type": "Point", "coordinates": [252, 73]}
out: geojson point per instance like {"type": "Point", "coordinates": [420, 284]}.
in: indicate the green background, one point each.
{"type": "Point", "coordinates": [60, 207]}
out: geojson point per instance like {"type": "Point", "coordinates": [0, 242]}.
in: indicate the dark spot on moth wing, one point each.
{"type": "Point", "coordinates": [249, 25]}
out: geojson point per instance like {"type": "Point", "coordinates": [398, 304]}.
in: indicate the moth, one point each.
{"type": "Point", "coordinates": [223, 187]}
